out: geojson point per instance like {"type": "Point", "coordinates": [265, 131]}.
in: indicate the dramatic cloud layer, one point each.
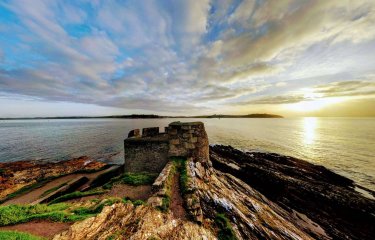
{"type": "Point", "coordinates": [184, 57]}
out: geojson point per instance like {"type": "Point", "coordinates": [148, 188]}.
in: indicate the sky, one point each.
{"type": "Point", "coordinates": [175, 57]}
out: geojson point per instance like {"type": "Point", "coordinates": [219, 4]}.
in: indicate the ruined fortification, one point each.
{"type": "Point", "coordinates": [150, 151]}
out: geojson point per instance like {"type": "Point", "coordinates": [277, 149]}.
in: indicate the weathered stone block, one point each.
{"type": "Point", "coordinates": [172, 131]}
{"type": "Point", "coordinates": [185, 127]}
{"type": "Point", "coordinates": [142, 155]}
{"type": "Point", "coordinates": [187, 135]}
{"type": "Point", "coordinates": [149, 132]}
{"type": "Point", "coordinates": [134, 133]}
{"type": "Point", "coordinates": [189, 145]}
{"type": "Point", "coordinates": [155, 201]}
{"type": "Point", "coordinates": [174, 141]}
{"type": "Point", "coordinates": [193, 139]}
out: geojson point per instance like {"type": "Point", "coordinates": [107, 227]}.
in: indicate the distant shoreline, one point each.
{"type": "Point", "coordinates": [152, 116]}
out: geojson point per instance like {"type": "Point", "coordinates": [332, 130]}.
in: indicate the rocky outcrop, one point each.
{"type": "Point", "coordinates": [251, 214]}
{"type": "Point", "coordinates": [124, 221]}
{"type": "Point", "coordinates": [301, 189]}
{"type": "Point", "coordinates": [160, 188]}
{"type": "Point", "coordinates": [209, 192]}
{"type": "Point", "coordinates": [264, 196]}
{"type": "Point", "coordinates": [16, 175]}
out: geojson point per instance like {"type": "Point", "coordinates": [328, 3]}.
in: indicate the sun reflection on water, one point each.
{"type": "Point", "coordinates": [309, 127]}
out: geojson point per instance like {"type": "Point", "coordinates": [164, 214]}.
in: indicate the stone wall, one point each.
{"type": "Point", "coordinates": [150, 152]}
{"type": "Point", "coordinates": [188, 140]}
{"type": "Point", "coordinates": [146, 154]}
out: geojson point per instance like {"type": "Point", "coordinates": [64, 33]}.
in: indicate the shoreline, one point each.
{"type": "Point", "coordinates": [364, 191]}
{"type": "Point", "coordinates": [310, 193]}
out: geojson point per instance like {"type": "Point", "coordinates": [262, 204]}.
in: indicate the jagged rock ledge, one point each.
{"type": "Point", "coordinates": [16, 175]}
{"type": "Point", "coordinates": [304, 190]}
{"type": "Point", "coordinates": [264, 196]}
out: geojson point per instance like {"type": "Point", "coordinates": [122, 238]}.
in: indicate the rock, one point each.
{"type": "Point", "coordinates": [150, 132]}
{"type": "Point", "coordinates": [123, 221]}
{"type": "Point", "coordinates": [199, 170]}
{"type": "Point", "coordinates": [16, 175]}
{"type": "Point", "coordinates": [294, 185]}
{"type": "Point", "coordinates": [134, 133]}
{"type": "Point", "coordinates": [155, 201]}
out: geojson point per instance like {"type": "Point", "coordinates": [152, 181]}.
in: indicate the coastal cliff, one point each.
{"type": "Point", "coordinates": [261, 195]}
{"type": "Point", "coordinates": [202, 192]}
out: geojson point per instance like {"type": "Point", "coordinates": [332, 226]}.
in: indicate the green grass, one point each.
{"type": "Point", "coordinates": [12, 214]}
{"type": "Point", "coordinates": [138, 202]}
{"type": "Point", "coordinates": [137, 179]}
{"type": "Point", "coordinates": [59, 212]}
{"type": "Point", "coordinates": [82, 211]}
{"type": "Point", "coordinates": [134, 179]}
{"type": "Point", "coordinates": [13, 235]}
{"type": "Point", "coordinates": [225, 230]}
{"type": "Point", "coordinates": [180, 165]}
{"type": "Point", "coordinates": [52, 189]}
{"type": "Point", "coordinates": [134, 202]}
{"type": "Point", "coordinates": [77, 194]}
{"type": "Point", "coordinates": [166, 202]}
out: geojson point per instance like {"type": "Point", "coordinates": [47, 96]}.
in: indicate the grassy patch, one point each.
{"type": "Point", "coordinates": [137, 179]}
{"type": "Point", "coordinates": [59, 212]}
{"type": "Point", "coordinates": [134, 202]}
{"type": "Point", "coordinates": [76, 194]}
{"type": "Point", "coordinates": [134, 179]}
{"type": "Point", "coordinates": [13, 214]}
{"type": "Point", "coordinates": [82, 211]}
{"type": "Point", "coordinates": [180, 165]}
{"type": "Point", "coordinates": [225, 231]}
{"type": "Point", "coordinates": [13, 235]}
{"type": "Point", "coordinates": [165, 204]}
{"type": "Point", "coordinates": [138, 202]}
{"type": "Point", "coordinates": [52, 189]}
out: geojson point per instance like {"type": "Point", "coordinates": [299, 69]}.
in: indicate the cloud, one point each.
{"type": "Point", "coordinates": [357, 88]}
{"type": "Point", "coordinates": [285, 99]}
{"type": "Point", "coordinates": [171, 55]}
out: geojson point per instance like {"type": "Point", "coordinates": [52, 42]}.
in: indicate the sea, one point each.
{"type": "Point", "coordinates": [344, 145]}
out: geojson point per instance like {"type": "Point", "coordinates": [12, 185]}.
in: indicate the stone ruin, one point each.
{"type": "Point", "coordinates": [151, 150]}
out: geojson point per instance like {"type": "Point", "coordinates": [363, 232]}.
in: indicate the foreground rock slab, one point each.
{"type": "Point", "coordinates": [15, 175]}
{"type": "Point", "coordinates": [305, 190]}
{"type": "Point", "coordinates": [124, 221]}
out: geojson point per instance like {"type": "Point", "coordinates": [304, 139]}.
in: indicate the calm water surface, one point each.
{"type": "Point", "coordinates": [344, 145]}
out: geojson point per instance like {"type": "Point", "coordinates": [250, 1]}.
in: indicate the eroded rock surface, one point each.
{"type": "Point", "coordinates": [252, 215]}
{"type": "Point", "coordinates": [313, 191]}
{"type": "Point", "coordinates": [15, 175]}
{"type": "Point", "coordinates": [124, 221]}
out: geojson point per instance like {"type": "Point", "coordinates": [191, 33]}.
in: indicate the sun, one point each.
{"type": "Point", "coordinates": [314, 105]}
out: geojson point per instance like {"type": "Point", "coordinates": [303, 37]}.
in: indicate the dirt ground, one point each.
{"type": "Point", "coordinates": [177, 203]}
{"type": "Point", "coordinates": [39, 228]}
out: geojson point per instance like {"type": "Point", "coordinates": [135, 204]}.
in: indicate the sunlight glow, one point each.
{"type": "Point", "coordinates": [309, 127]}
{"type": "Point", "coordinates": [313, 105]}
